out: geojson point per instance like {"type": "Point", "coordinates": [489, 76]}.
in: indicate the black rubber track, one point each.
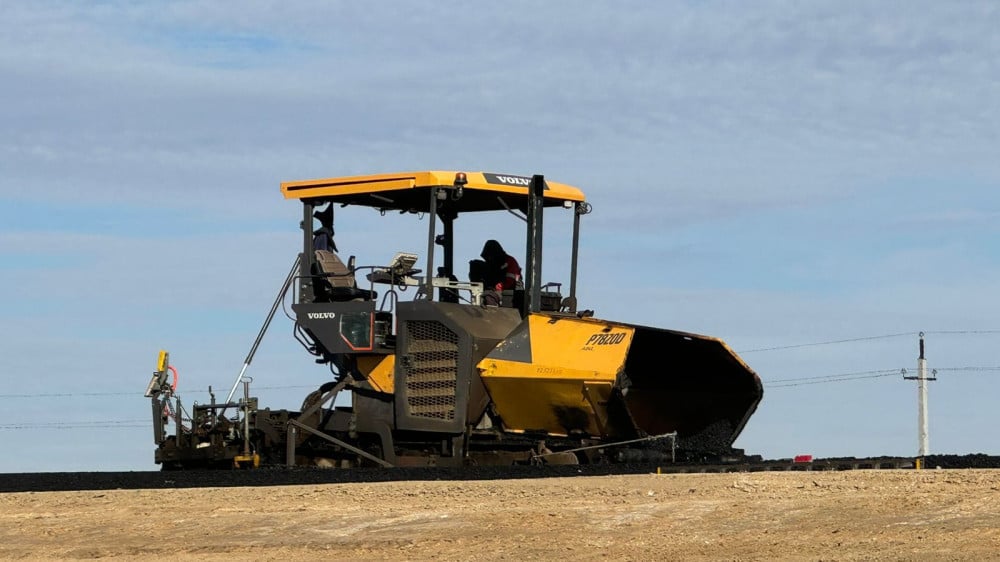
{"type": "Point", "coordinates": [76, 481]}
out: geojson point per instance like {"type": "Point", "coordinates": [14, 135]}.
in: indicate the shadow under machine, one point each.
{"type": "Point", "coordinates": [452, 373]}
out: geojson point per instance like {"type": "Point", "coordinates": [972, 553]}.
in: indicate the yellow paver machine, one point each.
{"type": "Point", "coordinates": [451, 372]}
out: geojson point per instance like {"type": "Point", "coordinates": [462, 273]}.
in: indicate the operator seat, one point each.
{"type": "Point", "coordinates": [335, 281]}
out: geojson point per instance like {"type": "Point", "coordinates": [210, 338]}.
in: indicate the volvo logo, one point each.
{"type": "Point", "coordinates": [514, 180]}
{"type": "Point", "coordinates": [321, 315]}
{"type": "Point", "coordinates": [506, 179]}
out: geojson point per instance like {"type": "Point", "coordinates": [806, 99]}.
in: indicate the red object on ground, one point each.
{"type": "Point", "coordinates": [803, 458]}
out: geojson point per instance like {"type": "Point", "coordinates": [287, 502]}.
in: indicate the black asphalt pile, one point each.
{"type": "Point", "coordinates": [716, 439]}
{"type": "Point", "coordinates": [77, 481]}
{"type": "Point", "coordinates": [70, 481]}
{"type": "Point", "coordinates": [978, 460]}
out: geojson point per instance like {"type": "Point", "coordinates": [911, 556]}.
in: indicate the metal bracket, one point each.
{"type": "Point", "coordinates": [335, 441]}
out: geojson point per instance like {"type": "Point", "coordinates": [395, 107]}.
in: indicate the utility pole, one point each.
{"type": "Point", "coordinates": [922, 378]}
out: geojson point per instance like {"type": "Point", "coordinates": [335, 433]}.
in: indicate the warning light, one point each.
{"type": "Point", "coordinates": [460, 181]}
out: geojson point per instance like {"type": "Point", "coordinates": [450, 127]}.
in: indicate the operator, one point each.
{"type": "Point", "coordinates": [502, 271]}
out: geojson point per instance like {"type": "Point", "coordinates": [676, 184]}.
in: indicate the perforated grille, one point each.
{"type": "Point", "coordinates": [431, 369]}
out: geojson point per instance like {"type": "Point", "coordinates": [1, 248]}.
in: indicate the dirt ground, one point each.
{"type": "Point", "coordinates": [870, 515]}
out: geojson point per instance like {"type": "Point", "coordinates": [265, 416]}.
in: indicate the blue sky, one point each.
{"type": "Point", "coordinates": [770, 173]}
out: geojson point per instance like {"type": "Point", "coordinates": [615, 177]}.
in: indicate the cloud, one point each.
{"type": "Point", "coordinates": [708, 94]}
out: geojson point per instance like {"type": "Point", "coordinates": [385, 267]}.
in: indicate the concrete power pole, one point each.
{"type": "Point", "coordinates": [922, 378]}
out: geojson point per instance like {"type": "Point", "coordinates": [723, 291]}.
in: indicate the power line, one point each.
{"type": "Point", "coordinates": [777, 383]}
{"type": "Point", "coordinates": [831, 342]}
{"type": "Point", "coordinates": [86, 394]}
{"type": "Point", "coordinates": [952, 332]}
{"type": "Point", "coordinates": [868, 338]}
{"type": "Point", "coordinates": [102, 424]}
{"type": "Point", "coordinates": [836, 376]}
{"type": "Point", "coordinates": [844, 378]}
{"type": "Point", "coordinates": [967, 369]}
{"type": "Point", "coordinates": [861, 375]}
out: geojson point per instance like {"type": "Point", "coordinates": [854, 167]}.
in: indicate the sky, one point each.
{"type": "Point", "coordinates": [781, 175]}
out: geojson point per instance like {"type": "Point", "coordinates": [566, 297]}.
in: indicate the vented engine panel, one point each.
{"type": "Point", "coordinates": [431, 369]}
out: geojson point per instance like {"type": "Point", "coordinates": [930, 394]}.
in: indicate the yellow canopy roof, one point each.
{"type": "Point", "coordinates": [483, 191]}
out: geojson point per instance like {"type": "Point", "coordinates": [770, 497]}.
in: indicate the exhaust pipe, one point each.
{"type": "Point", "coordinates": [533, 267]}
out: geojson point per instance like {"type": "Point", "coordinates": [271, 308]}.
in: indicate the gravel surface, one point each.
{"type": "Point", "coordinates": [854, 515]}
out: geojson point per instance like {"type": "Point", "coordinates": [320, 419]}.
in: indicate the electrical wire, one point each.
{"type": "Point", "coordinates": [776, 383]}
{"type": "Point", "coordinates": [896, 374]}
{"type": "Point", "coordinates": [284, 309]}
{"type": "Point", "coordinates": [831, 342]}
{"type": "Point", "coordinates": [80, 394]}
{"type": "Point", "coordinates": [868, 338]}
{"type": "Point", "coordinates": [839, 375]}
{"type": "Point", "coordinates": [844, 377]}
{"type": "Point", "coordinates": [953, 332]}
{"type": "Point", "coordinates": [134, 424]}
{"type": "Point", "coordinates": [967, 369]}
{"type": "Point", "coordinates": [102, 424]}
